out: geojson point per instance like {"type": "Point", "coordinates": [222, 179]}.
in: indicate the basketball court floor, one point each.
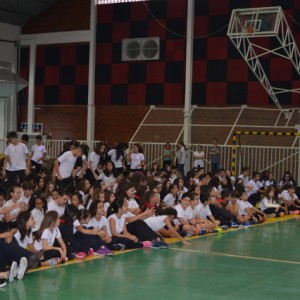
{"type": "Point", "coordinates": [258, 262]}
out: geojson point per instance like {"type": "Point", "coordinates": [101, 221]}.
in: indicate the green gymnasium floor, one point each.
{"type": "Point", "coordinates": [260, 262]}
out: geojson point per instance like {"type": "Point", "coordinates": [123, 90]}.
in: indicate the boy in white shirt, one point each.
{"type": "Point", "coordinates": [38, 153]}
{"type": "Point", "coordinates": [17, 160]}
{"type": "Point", "coordinates": [254, 189]}
{"type": "Point", "coordinates": [64, 166]}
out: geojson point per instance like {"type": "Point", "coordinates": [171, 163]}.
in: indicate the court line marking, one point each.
{"type": "Point", "coordinates": [238, 256]}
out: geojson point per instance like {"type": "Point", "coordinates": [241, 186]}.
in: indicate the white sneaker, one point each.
{"type": "Point", "coordinates": [22, 267]}
{"type": "Point", "coordinates": [2, 283]}
{"type": "Point", "coordinates": [12, 272]}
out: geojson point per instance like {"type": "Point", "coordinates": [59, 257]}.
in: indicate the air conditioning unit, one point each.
{"type": "Point", "coordinates": [140, 49]}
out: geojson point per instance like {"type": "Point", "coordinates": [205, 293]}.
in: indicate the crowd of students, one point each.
{"type": "Point", "coordinates": [104, 201]}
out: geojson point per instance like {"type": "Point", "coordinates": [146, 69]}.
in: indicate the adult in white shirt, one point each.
{"type": "Point", "coordinates": [198, 157]}
{"type": "Point", "coordinates": [17, 160]}
{"type": "Point", "coordinates": [64, 167]}
{"type": "Point", "coordinates": [38, 153]}
{"type": "Point", "coordinates": [137, 158]}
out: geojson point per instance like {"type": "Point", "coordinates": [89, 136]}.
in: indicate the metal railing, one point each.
{"type": "Point", "coordinates": [275, 159]}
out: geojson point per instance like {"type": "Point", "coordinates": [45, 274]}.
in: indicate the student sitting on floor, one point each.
{"type": "Point", "coordinates": [117, 228]}
{"type": "Point", "coordinates": [269, 205]}
{"type": "Point", "coordinates": [45, 238]}
{"type": "Point", "coordinates": [163, 219]}
{"type": "Point", "coordinates": [186, 219]}
{"type": "Point", "coordinates": [289, 200]}
{"type": "Point", "coordinates": [199, 215]}
{"type": "Point", "coordinates": [250, 213]}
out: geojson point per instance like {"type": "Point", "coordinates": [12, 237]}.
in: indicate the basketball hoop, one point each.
{"type": "Point", "coordinates": [249, 29]}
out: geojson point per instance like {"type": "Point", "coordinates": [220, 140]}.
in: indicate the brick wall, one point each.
{"type": "Point", "coordinates": [111, 122]}
{"type": "Point", "coordinates": [65, 15]}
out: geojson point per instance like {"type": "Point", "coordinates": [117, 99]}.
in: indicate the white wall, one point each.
{"type": "Point", "coordinates": [8, 53]}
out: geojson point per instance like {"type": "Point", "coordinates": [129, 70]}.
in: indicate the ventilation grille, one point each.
{"type": "Point", "coordinates": [140, 49]}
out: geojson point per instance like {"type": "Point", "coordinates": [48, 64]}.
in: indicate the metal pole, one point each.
{"type": "Point", "coordinates": [91, 87]}
{"type": "Point", "coordinates": [31, 95]}
{"type": "Point", "coordinates": [188, 76]}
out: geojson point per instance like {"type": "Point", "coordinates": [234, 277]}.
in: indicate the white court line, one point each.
{"type": "Point", "coordinates": [238, 256]}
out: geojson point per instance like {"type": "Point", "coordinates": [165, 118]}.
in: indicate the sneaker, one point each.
{"type": "Point", "coordinates": [118, 247]}
{"type": "Point", "coordinates": [188, 234]}
{"type": "Point", "coordinates": [80, 255]}
{"type": "Point", "coordinates": [12, 272]}
{"type": "Point", "coordinates": [156, 244]}
{"type": "Point", "coordinates": [164, 245]}
{"type": "Point", "coordinates": [271, 215]}
{"type": "Point", "coordinates": [147, 244]}
{"type": "Point", "coordinates": [294, 212]}
{"type": "Point", "coordinates": [2, 283]}
{"type": "Point", "coordinates": [70, 257]}
{"type": "Point", "coordinates": [203, 231]}
{"type": "Point", "coordinates": [52, 262]}
{"type": "Point", "coordinates": [103, 251]}
{"type": "Point", "coordinates": [234, 224]}
{"type": "Point", "coordinates": [281, 214]}
{"type": "Point", "coordinates": [246, 224]}
{"type": "Point", "coordinates": [90, 252]}
{"type": "Point", "coordinates": [22, 268]}
{"type": "Point", "coordinates": [183, 233]}
{"type": "Point", "coordinates": [224, 227]}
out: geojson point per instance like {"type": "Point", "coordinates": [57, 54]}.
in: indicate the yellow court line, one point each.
{"type": "Point", "coordinates": [168, 240]}
{"type": "Point", "coordinates": [238, 256]}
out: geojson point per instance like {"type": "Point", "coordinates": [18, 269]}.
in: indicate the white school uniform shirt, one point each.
{"type": "Point", "coordinates": [269, 183]}
{"type": "Point", "coordinates": [136, 159]}
{"type": "Point", "coordinates": [38, 152]}
{"type": "Point", "coordinates": [108, 180]}
{"type": "Point", "coordinates": [67, 162]}
{"type": "Point", "coordinates": [242, 206]}
{"type": "Point", "coordinates": [186, 214]}
{"type": "Point", "coordinates": [245, 179]}
{"type": "Point", "coordinates": [81, 170]}
{"type": "Point", "coordinates": [49, 236]}
{"type": "Point", "coordinates": [182, 156]}
{"type": "Point", "coordinates": [196, 211]}
{"type": "Point", "coordinates": [199, 161]}
{"type": "Point", "coordinates": [266, 203]}
{"type": "Point", "coordinates": [169, 200]}
{"type": "Point", "coordinates": [75, 224]}
{"type": "Point", "coordinates": [113, 156]}
{"type": "Point", "coordinates": [38, 217]}
{"type": "Point", "coordinates": [254, 187]}
{"type": "Point", "coordinates": [24, 199]}
{"type": "Point", "coordinates": [94, 158]}
{"type": "Point", "coordinates": [18, 155]}
{"type": "Point", "coordinates": [156, 222]}
{"type": "Point", "coordinates": [106, 206]}
{"type": "Point", "coordinates": [13, 212]}
{"type": "Point", "coordinates": [52, 205]}
{"type": "Point", "coordinates": [27, 239]}
{"type": "Point", "coordinates": [286, 196]}
{"type": "Point", "coordinates": [132, 203]}
{"type": "Point", "coordinates": [119, 224]}
{"type": "Point", "coordinates": [98, 224]}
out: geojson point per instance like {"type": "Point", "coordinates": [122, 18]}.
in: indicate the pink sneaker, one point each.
{"type": "Point", "coordinates": [91, 252]}
{"type": "Point", "coordinates": [80, 255]}
{"type": "Point", "coordinates": [295, 212]}
{"type": "Point", "coordinates": [147, 244]}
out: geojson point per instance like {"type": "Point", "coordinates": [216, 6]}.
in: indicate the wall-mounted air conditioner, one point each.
{"type": "Point", "coordinates": [140, 49]}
